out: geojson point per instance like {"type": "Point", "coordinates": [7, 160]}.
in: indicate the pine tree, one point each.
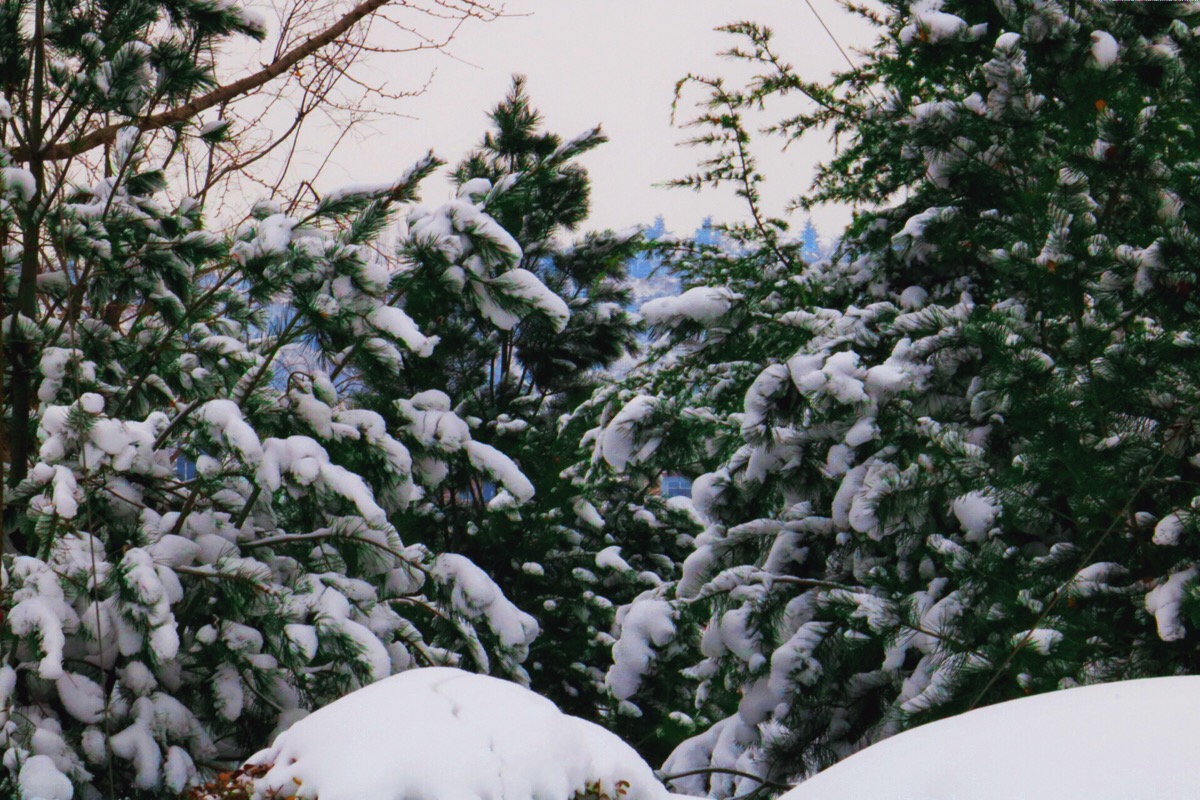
{"type": "Point", "coordinates": [199, 538]}
{"type": "Point", "coordinates": [962, 469]}
{"type": "Point", "coordinates": [556, 556]}
{"type": "Point", "coordinates": [813, 250]}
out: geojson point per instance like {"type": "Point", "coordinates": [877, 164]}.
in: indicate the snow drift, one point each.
{"type": "Point", "coordinates": [1113, 741]}
{"type": "Point", "coordinates": [452, 735]}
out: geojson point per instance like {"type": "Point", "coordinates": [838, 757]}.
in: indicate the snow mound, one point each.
{"type": "Point", "coordinates": [452, 735]}
{"type": "Point", "coordinates": [1113, 741]}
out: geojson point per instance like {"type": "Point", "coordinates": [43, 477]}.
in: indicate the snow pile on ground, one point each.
{"type": "Point", "coordinates": [1116, 741]}
{"type": "Point", "coordinates": [452, 735]}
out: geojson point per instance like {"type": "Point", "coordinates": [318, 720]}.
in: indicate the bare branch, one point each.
{"type": "Point", "coordinates": [222, 94]}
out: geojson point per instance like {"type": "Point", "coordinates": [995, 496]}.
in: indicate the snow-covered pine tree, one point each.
{"type": "Point", "coordinates": [557, 556]}
{"type": "Point", "coordinates": [198, 545]}
{"type": "Point", "coordinates": [677, 411]}
{"type": "Point", "coordinates": [625, 541]}
{"type": "Point", "coordinates": [964, 466]}
{"type": "Point", "coordinates": [160, 616]}
{"type": "Point", "coordinates": [669, 416]}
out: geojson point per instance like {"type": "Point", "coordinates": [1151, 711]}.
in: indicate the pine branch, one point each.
{"type": "Point", "coordinates": [1061, 591]}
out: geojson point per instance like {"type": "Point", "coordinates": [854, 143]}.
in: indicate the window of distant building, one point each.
{"type": "Point", "coordinates": [675, 486]}
{"type": "Point", "coordinates": [487, 490]}
{"type": "Point", "coordinates": [185, 468]}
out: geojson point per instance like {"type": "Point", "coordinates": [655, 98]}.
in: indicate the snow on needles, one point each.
{"type": "Point", "coordinates": [976, 513]}
{"type": "Point", "coordinates": [1114, 741]}
{"type": "Point", "coordinates": [476, 596]}
{"type": "Point", "coordinates": [524, 285]}
{"type": "Point", "coordinates": [704, 305]}
{"type": "Point", "coordinates": [479, 252]}
{"type": "Point", "coordinates": [1104, 49]}
{"type": "Point", "coordinates": [474, 737]}
{"type": "Point", "coordinates": [619, 444]}
{"type": "Point", "coordinates": [932, 25]}
{"type": "Point", "coordinates": [39, 779]}
{"type": "Point", "coordinates": [644, 626]}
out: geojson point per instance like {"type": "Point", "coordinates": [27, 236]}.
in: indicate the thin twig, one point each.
{"type": "Point", "coordinates": [724, 771]}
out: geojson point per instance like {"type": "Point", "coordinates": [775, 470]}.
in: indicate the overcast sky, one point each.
{"type": "Point", "coordinates": [613, 62]}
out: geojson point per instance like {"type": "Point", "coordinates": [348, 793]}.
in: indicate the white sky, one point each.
{"type": "Point", "coordinates": [613, 62]}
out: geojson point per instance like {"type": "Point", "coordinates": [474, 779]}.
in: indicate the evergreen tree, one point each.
{"type": "Point", "coordinates": [963, 466]}
{"type": "Point", "coordinates": [812, 243]}
{"type": "Point", "coordinates": [197, 537]}
{"type": "Point", "coordinates": [557, 556]}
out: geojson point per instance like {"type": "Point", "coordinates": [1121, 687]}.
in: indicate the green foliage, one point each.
{"type": "Point", "coordinates": [513, 384]}
{"type": "Point", "coordinates": [201, 530]}
{"type": "Point", "coordinates": [962, 469]}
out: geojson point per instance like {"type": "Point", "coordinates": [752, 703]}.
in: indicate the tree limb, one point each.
{"type": "Point", "coordinates": [221, 94]}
